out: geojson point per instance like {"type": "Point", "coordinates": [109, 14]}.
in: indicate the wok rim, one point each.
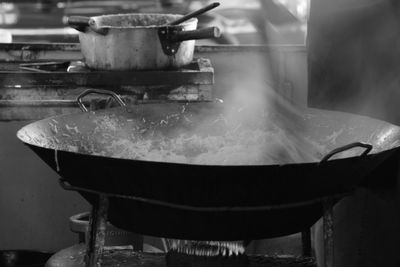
{"type": "Point", "coordinates": [181, 164]}
{"type": "Point", "coordinates": [21, 135]}
{"type": "Point", "coordinates": [201, 165]}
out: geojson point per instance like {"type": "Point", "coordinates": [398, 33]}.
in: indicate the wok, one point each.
{"type": "Point", "coordinates": [210, 202]}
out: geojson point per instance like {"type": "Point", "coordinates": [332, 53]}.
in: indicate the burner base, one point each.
{"type": "Point", "coordinates": [74, 257]}
{"type": "Point", "coordinates": [176, 259]}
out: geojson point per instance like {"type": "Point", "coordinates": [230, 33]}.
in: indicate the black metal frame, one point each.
{"type": "Point", "coordinates": [98, 219]}
{"type": "Point", "coordinates": [97, 232]}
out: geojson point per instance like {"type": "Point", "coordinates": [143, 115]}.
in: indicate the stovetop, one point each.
{"type": "Point", "coordinates": [35, 85]}
{"type": "Point", "coordinates": [74, 256]}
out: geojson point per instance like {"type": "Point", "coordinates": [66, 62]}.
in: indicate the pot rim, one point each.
{"type": "Point", "coordinates": [186, 23]}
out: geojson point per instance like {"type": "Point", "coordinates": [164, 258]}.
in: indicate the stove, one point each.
{"type": "Point", "coordinates": [31, 85]}
{"type": "Point", "coordinates": [124, 257]}
{"type": "Point", "coordinates": [38, 84]}
{"type": "Point", "coordinates": [181, 253]}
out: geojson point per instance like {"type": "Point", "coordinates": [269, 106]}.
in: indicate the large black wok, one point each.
{"type": "Point", "coordinates": [211, 202]}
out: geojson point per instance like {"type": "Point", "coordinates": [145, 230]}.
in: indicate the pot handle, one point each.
{"type": "Point", "coordinates": [79, 23]}
{"type": "Point", "coordinates": [100, 92]}
{"type": "Point", "coordinates": [206, 33]}
{"type": "Point", "coordinates": [172, 36]}
{"type": "Point", "coordinates": [82, 23]}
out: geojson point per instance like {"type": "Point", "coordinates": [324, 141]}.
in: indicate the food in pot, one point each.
{"type": "Point", "coordinates": [217, 141]}
{"type": "Point", "coordinates": [245, 147]}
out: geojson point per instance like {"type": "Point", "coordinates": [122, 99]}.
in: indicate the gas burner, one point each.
{"type": "Point", "coordinates": [192, 82]}
{"type": "Point", "coordinates": [35, 89]}
{"type": "Point", "coordinates": [207, 248]}
{"type": "Point", "coordinates": [47, 67]}
{"type": "Point", "coordinates": [197, 65]}
{"type": "Point", "coordinates": [206, 253]}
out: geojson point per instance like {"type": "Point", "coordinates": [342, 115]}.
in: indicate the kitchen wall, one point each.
{"type": "Point", "coordinates": [34, 209]}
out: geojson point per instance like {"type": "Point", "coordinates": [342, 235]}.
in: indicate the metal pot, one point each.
{"type": "Point", "coordinates": [138, 41]}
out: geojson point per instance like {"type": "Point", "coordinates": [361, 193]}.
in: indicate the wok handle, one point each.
{"type": "Point", "coordinates": [100, 92]}
{"type": "Point", "coordinates": [82, 23]}
{"type": "Point", "coordinates": [206, 33]}
{"type": "Point", "coordinates": [338, 150]}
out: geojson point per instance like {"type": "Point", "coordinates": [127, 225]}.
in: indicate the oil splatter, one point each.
{"type": "Point", "coordinates": [72, 128]}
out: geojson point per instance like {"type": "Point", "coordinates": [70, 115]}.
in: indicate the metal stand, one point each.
{"type": "Point", "coordinates": [306, 243]}
{"type": "Point", "coordinates": [98, 220]}
{"type": "Point", "coordinates": [328, 229]}
{"type": "Point", "coordinates": [97, 233]}
{"type": "Point", "coordinates": [329, 260]}
{"type": "Point", "coordinates": [328, 203]}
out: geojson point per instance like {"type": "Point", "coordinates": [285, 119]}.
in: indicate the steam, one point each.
{"type": "Point", "coordinates": [254, 101]}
